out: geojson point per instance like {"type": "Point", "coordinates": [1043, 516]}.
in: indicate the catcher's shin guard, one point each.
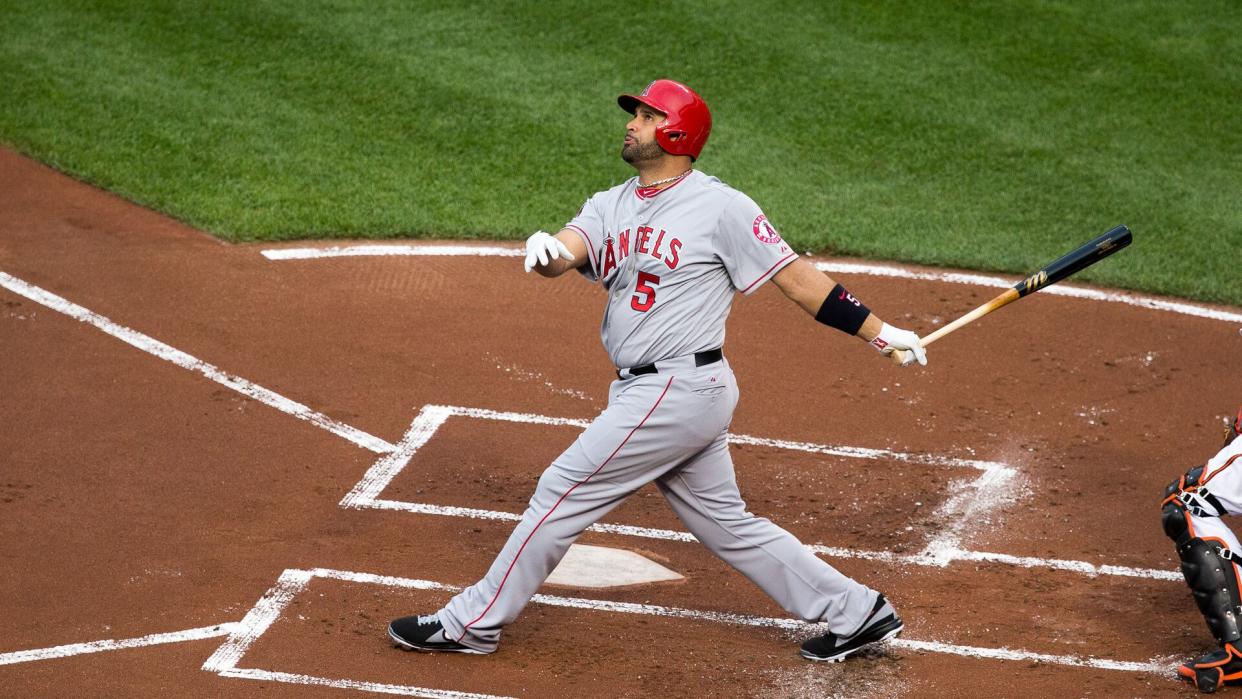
{"type": "Point", "coordinates": [1209, 571]}
{"type": "Point", "coordinates": [1214, 669]}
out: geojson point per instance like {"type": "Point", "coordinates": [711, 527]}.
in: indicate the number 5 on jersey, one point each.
{"type": "Point", "coordinates": [644, 292]}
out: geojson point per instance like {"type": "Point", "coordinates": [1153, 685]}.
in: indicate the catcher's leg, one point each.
{"type": "Point", "coordinates": [1207, 548]}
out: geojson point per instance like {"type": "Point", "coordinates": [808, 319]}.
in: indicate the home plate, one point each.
{"type": "Point", "coordinates": [599, 566]}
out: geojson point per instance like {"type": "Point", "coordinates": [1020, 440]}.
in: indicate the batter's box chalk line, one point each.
{"type": "Point", "coordinates": [971, 501]}
{"type": "Point", "coordinates": [292, 582]}
{"type": "Point", "coordinates": [174, 356]}
{"type": "Point", "coordinates": [155, 639]}
{"type": "Point", "coordinates": [939, 552]}
{"type": "Point", "coordinates": [393, 459]}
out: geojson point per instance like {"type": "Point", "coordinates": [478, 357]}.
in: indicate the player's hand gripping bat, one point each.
{"type": "Point", "coordinates": [1053, 272]}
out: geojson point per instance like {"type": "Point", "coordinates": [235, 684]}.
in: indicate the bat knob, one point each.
{"type": "Point", "coordinates": [898, 357]}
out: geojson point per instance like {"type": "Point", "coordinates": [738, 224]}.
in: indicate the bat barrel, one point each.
{"type": "Point", "coordinates": [1060, 268]}
{"type": "Point", "coordinates": [1085, 256]}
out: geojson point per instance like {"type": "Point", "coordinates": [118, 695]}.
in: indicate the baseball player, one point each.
{"type": "Point", "coordinates": [1209, 551]}
{"type": "Point", "coordinates": [671, 247]}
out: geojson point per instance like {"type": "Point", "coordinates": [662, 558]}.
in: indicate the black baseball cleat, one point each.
{"type": "Point", "coordinates": [1214, 670]}
{"type": "Point", "coordinates": [881, 625]}
{"type": "Point", "coordinates": [424, 633]}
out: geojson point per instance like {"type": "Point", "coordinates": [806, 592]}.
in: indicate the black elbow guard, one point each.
{"type": "Point", "coordinates": [842, 311]}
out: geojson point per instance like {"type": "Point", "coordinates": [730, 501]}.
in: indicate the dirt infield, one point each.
{"type": "Point", "coordinates": [208, 484]}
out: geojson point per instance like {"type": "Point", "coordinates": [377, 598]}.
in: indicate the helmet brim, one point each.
{"type": "Point", "coordinates": [630, 104]}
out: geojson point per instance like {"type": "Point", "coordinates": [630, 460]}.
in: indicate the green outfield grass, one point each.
{"type": "Point", "coordinates": [988, 135]}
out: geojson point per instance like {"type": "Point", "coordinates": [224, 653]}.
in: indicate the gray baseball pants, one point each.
{"type": "Point", "coordinates": [670, 427]}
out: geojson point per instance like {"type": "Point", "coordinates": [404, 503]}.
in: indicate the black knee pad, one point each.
{"type": "Point", "coordinates": [1186, 495]}
{"type": "Point", "coordinates": [1173, 517]}
{"type": "Point", "coordinates": [1209, 572]}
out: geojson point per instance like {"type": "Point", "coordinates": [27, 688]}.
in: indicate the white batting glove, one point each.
{"type": "Point", "coordinates": [891, 338]}
{"type": "Point", "coordinates": [544, 248]}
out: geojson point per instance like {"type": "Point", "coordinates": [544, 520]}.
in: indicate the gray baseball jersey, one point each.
{"type": "Point", "coordinates": [671, 261]}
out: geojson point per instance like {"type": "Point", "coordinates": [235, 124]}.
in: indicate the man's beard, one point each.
{"type": "Point", "coordinates": [641, 152]}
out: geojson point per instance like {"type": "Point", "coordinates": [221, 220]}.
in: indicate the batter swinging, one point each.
{"type": "Point", "coordinates": [671, 246]}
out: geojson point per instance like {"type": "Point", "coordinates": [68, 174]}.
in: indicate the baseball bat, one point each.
{"type": "Point", "coordinates": [1051, 273]}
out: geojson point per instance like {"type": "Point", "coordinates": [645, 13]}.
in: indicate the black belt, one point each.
{"type": "Point", "coordinates": [700, 359]}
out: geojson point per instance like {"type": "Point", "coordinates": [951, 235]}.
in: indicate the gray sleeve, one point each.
{"type": "Point", "coordinates": [590, 225]}
{"type": "Point", "coordinates": [749, 246]}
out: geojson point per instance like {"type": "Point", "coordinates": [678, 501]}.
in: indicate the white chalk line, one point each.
{"type": "Point", "coordinates": [1181, 307]}
{"type": "Point", "coordinates": [940, 558]}
{"type": "Point", "coordinates": [829, 449]}
{"type": "Point", "coordinates": [940, 552]}
{"type": "Point", "coordinates": [258, 620]}
{"type": "Point", "coordinates": [400, 454]}
{"type": "Point", "coordinates": [269, 608]}
{"type": "Point", "coordinates": [374, 687]}
{"type": "Point", "coordinates": [292, 582]}
{"type": "Point", "coordinates": [1155, 666]}
{"type": "Point", "coordinates": [967, 504]}
{"type": "Point", "coordinates": [388, 466]}
{"type": "Point", "coordinates": [155, 639]}
{"type": "Point", "coordinates": [964, 507]}
{"type": "Point", "coordinates": [381, 250]}
{"type": "Point", "coordinates": [154, 347]}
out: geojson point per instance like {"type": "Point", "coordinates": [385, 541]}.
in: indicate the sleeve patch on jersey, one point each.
{"type": "Point", "coordinates": [764, 230]}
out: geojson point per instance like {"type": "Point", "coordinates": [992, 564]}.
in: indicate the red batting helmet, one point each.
{"type": "Point", "coordinates": [688, 122]}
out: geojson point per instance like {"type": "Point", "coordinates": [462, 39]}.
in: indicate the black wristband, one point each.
{"type": "Point", "coordinates": [842, 311]}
